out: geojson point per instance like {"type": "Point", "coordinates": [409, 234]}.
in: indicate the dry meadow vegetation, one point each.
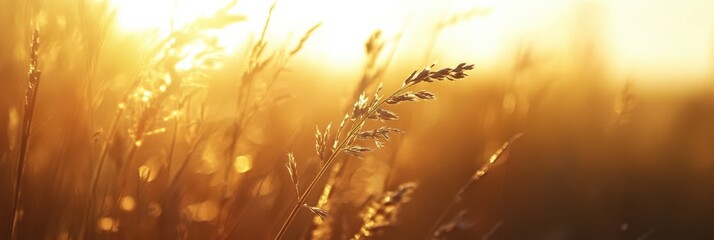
{"type": "Point", "coordinates": [252, 121]}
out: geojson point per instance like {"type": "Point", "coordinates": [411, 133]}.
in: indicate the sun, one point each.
{"type": "Point", "coordinates": [162, 14]}
{"type": "Point", "coordinates": [161, 17]}
{"type": "Point", "coordinates": [342, 34]}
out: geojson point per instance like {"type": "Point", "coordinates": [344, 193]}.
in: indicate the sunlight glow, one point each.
{"type": "Point", "coordinates": [242, 164]}
{"type": "Point", "coordinates": [630, 34]}
{"type": "Point", "coordinates": [341, 37]}
{"type": "Point", "coordinates": [148, 14]}
{"type": "Point", "coordinates": [108, 224]}
{"type": "Point", "coordinates": [127, 203]}
{"type": "Point", "coordinates": [203, 211]}
{"type": "Point", "coordinates": [164, 16]}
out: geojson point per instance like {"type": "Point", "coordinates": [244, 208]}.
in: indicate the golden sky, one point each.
{"type": "Point", "coordinates": [666, 42]}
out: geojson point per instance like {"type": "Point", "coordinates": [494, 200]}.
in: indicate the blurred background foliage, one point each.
{"type": "Point", "coordinates": [190, 108]}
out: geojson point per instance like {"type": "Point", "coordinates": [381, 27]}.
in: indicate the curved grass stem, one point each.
{"type": "Point", "coordinates": [476, 177]}
{"type": "Point", "coordinates": [328, 163]}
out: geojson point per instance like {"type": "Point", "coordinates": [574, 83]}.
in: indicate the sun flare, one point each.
{"type": "Point", "coordinates": [162, 14]}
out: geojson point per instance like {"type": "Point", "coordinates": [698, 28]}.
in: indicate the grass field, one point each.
{"type": "Point", "coordinates": [316, 119]}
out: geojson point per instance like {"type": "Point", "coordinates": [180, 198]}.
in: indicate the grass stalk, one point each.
{"type": "Point", "coordinates": [29, 110]}
{"type": "Point", "coordinates": [88, 213]}
{"type": "Point", "coordinates": [364, 110]}
{"type": "Point", "coordinates": [328, 163]}
{"type": "Point", "coordinates": [476, 177]}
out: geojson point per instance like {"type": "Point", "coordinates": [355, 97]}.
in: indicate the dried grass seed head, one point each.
{"type": "Point", "coordinates": [291, 165]}
{"type": "Point", "coordinates": [317, 211]}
